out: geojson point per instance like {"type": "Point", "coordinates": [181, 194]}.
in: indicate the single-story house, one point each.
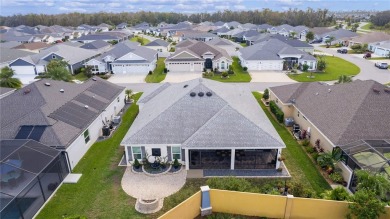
{"type": "Point", "coordinates": [32, 47]}
{"type": "Point", "coordinates": [98, 46]}
{"type": "Point", "coordinates": [300, 32]}
{"type": "Point", "coordinates": [104, 27]}
{"type": "Point", "coordinates": [30, 66]}
{"type": "Point", "coordinates": [232, 25]}
{"type": "Point", "coordinates": [274, 54]}
{"type": "Point", "coordinates": [63, 115]}
{"type": "Point", "coordinates": [194, 35]}
{"type": "Point", "coordinates": [9, 55]}
{"type": "Point", "coordinates": [125, 58]}
{"type": "Point", "coordinates": [161, 46]}
{"type": "Point", "coordinates": [221, 31]}
{"type": "Point", "coordinates": [340, 36]}
{"type": "Point", "coordinates": [319, 31]}
{"type": "Point", "coordinates": [243, 35]}
{"type": "Point", "coordinates": [230, 47]}
{"type": "Point", "coordinates": [204, 124]}
{"type": "Point", "coordinates": [94, 37]}
{"type": "Point", "coordinates": [298, 44]}
{"type": "Point", "coordinates": [369, 38]}
{"type": "Point", "coordinates": [198, 56]}
{"type": "Point", "coordinates": [380, 48]}
{"type": "Point", "coordinates": [283, 30]}
{"type": "Point", "coordinates": [264, 27]}
{"type": "Point", "coordinates": [121, 26]}
{"type": "Point", "coordinates": [320, 109]}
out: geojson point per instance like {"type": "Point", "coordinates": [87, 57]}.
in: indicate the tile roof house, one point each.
{"type": "Point", "coordinates": [337, 115]}
{"type": "Point", "coordinates": [273, 54]}
{"type": "Point", "coordinates": [27, 68]}
{"type": "Point", "coordinates": [198, 56]}
{"type": "Point", "coordinates": [125, 58]}
{"type": "Point", "coordinates": [66, 116]}
{"type": "Point", "coordinates": [233, 133]}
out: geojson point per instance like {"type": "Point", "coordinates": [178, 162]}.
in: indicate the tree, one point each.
{"type": "Point", "coordinates": [7, 79]}
{"type": "Point", "coordinates": [365, 205]}
{"type": "Point", "coordinates": [337, 194]}
{"type": "Point", "coordinates": [329, 159]}
{"type": "Point", "coordinates": [58, 70]}
{"type": "Point", "coordinates": [376, 183]}
{"type": "Point", "coordinates": [305, 67]}
{"type": "Point", "coordinates": [266, 94]}
{"type": "Point", "coordinates": [129, 94]}
{"type": "Point", "coordinates": [321, 64]}
{"type": "Point", "coordinates": [293, 34]}
{"type": "Point", "coordinates": [354, 27]}
{"type": "Point", "coordinates": [329, 41]}
{"type": "Point", "coordinates": [140, 40]}
{"type": "Point", "coordinates": [309, 36]}
{"type": "Point", "coordinates": [344, 79]}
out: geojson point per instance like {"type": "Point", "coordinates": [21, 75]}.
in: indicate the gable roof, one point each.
{"type": "Point", "coordinates": [32, 46]}
{"type": "Point", "coordinates": [185, 43]}
{"type": "Point", "coordinates": [292, 42]}
{"type": "Point", "coordinates": [158, 42]}
{"type": "Point", "coordinates": [8, 55]}
{"type": "Point", "coordinates": [371, 37]}
{"type": "Point", "coordinates": [340, 33]}
{"type": "Point", "coordinates": [62, 115]}
{"type": "Point", "coordinates": [98, 44]}
{"type": "Point", "coordinates": [320, 30]}
{"type": "Point", "coordinates": [126, 47]}
{"type": "Point", "coordinates": [344, 113]}
{"type": "Point", "coordinates": [174, 117]}
{"type": "Point", "coordinates": [199, 48]}
{"type": "Point", "coordinates": [220, 42]}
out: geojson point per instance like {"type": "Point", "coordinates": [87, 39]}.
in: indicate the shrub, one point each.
{"type": "Point", "coordinates": [165, 70]}
{"type": "Point", "coordinates": [305, 143]}
{"type": "Point", "coordinates": [310, 150]}
{"type": "Point", "coordinates": [337, 194]}
{"type": "Point", "coordinates": [321, 64]}
{"type": "Point", "coordinates": [245, 68]}
{"type": "Point", "coordinates": [136, 163]}
{"type": "Point", "coordinates": [176, 163]}
{"type": "Point", "coordinates": [305, 67]}
{"type": "Point", "coordinates": [315, 155]}
{"type": "Point", "coordinates": [230, 183]}
{"type": "Point", "coordinates": [266, 94]}
{"type": "Point", "coordinates": [276, 111]}
{"type": "Point", "coordinates": [336, 177]}
{"type": "Point", "coordinates": [225, 74]}
{"type": "Point", "coordinates": [150, 72]}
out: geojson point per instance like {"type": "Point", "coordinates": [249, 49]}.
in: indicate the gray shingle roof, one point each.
{"type": "Point", "coordinates": [98, 44]}
{"type": "Point", "coordinates": [348, 113]}
{"type": "Point", "coordinates": [126, 47]}
{"type": "Point", "coordinates": [200, 48]}
{"type": "Point", "coordinates": [158, 42]}
{"type": "Point", "coordinates": [340, 33]}
{"type": "Point", "coordinates": [292, 42]}
{"type": "Point", "coordinates": [8, 55]}
{"type": "Point", "coordinates": [220, 42]}
{"type": "Point", "coordinates": [35, 107]}
{"type": "Point", "coordinates": [231, 117]}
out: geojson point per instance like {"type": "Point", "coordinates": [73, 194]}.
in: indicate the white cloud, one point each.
{"type": "Point", "coordinates": [289, 2]}
{"type": "Point", "coordinates": [72, 9]}
{"type": "Point", "coordinates": [114, 4]}
{"type": "Point", "coordinates": [240, 7]}
{"type": "Point", "coordinates": [222, 7]}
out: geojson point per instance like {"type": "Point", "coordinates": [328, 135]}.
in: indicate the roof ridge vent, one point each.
{"type": "Point", "coordinates": [86, 106]}
{"type": "Point", "coordinates": [47, 84]}
{"type": "Point", "coordinates": [62, 90]}
{"type": "Point", "coordinates": [209, 94]}
{"type": "Point", "coordinates": [201, 94]}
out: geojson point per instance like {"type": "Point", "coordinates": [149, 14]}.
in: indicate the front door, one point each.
{"type": "Point", "coordinates": [208, 64]}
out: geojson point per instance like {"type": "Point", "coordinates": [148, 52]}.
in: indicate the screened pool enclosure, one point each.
{"type": "Point", "coordinates": [30, 173]}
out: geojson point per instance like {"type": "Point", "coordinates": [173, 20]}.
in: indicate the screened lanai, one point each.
{"type": "Point", "coordinates": [30, 173]}
{"type": "Point", "coordinates": [372, 155]}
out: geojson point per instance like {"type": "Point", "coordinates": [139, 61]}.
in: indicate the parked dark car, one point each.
{"type": "Point", "coordinates": [316, 41]}
{"type": "Point", "coordinates": [343, 51]}
{"type": "Point", "coordinates": [367, 55]}
{"type": "Point", "coordinates": [381, 65]}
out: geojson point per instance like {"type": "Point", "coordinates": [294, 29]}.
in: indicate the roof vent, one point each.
{"type": "Point", "coordinates": [26, 91]}
{"type": "Point", "coordinates": [201, 94]}
{"type": "Point", "coordinates": [387, 90]}
{"type": "Point", "coordinates": [185, 86]}
{"type": "Point", "coordinates": [47, 84]}
{"type": "Point", "coordinates": [62, 90]}
{"type": "Point", "coordinates": [329, 90]}
{"type": "Point", "coordinates": [317, 94]}
{"type": "Point", "coordinates": [94, 79]}
{"type": "Point", "coordinates": [209, 94]}
{"type": "Point", "coordinates": [376, 90]}
{"type": "Point", "coordinates": [192, 94]}
{"type": "Point", "coordinates": [86, 106]}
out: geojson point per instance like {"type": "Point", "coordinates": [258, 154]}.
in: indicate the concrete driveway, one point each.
{"type": "Point", "coordinates": [367, 69]}
{"type": "Point", "coordinates": [177, 77]}
{"type": "Point", "coordinates": [270, 76]}
{"type": "Point", "coordinates": [123, 78]}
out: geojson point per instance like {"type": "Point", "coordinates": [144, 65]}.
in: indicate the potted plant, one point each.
{"type": "Point", "coordinates": [176, 164]}
{"type": "Point", "coordinates": [136, 164]}
{"type": "Point", "coordinates": [279, 169]}
{"type": "Point", "coordinates": [281, 159]}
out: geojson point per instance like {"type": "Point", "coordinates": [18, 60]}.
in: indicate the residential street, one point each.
{"type": "Point", "coordinates": [367, 69]}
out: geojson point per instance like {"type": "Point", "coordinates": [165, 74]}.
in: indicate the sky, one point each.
{"type": "Point", "coordinates": [10, 7]}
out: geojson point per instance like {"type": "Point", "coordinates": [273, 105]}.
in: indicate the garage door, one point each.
{"type": "Point", "coordinates": [130, 69]}
{"type": "Point", "coordinates": [179, 67]}
{"type": "Point", "coordinates": [278, 66]}
{"type": "Point", "coordinates": [24, 70]}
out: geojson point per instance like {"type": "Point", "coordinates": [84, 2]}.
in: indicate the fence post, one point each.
{"type": "Point", "coordinates": [289, 204]}
{"type": "Point", "coordinates": [205, 205]}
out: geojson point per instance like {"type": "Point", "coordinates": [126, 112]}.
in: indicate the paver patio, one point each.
{"type": "Point", "coordinates": [140, 185]}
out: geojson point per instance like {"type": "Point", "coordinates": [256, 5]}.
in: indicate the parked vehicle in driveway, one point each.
{"type": "Point", "coordinates": [367, 55]}
{"type": "Point", "coordinates": [381, 65]}
{"type": "Point", "coordinates": [343, 51]}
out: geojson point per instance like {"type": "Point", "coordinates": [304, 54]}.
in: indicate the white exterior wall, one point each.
{"type": "Point", "coordinates": [24, 70]}
{"type": "Point", "coordinates": [148, 152]}
{"type": "Point", "coordinates": [312, 64]}
{"type": "Point", "coordinates": [78, 148]}
{"type": "Point", "coordinates": [101, 66]}
{"type": "Point", "coordinates": [218, 64]}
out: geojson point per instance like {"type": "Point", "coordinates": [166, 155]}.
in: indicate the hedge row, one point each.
{"type": "Point", "coordinates": [276, 111]}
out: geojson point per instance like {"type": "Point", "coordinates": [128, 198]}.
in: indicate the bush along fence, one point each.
{"type": "Point", "coordinates": [276, 111]}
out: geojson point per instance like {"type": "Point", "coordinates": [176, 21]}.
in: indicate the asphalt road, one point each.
{"type": "Point", "coordinates": [368, 71]}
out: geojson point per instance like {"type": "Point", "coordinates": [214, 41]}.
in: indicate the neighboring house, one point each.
{"type": "Point", "coordinates": [194, 35]}
{"type": "Point", "coordinates": [125, 58]}
{"type": "Point", "coordinates": [198, 56]}
{"type": "Point", "coordinates": [232, 33]}
{"type": "Point", "coordinates": [381, 49]}
{"type": "Point", "coordinates": [301, 45]}
{"type": "Point", "coordinates": [27, 68]}
{"type": "Point", "coordinates": [274, 54]}
{"type": "Point", "coordinates": [219, 23]}
{"type": "Point", "coordinates": [63, 115]}
{"type": "Point", "coordinates": [319, 31]}
{"type": "Point", "coordinates": [320, 109]}
{"type": "Point", "coordinates": [104, 27]}
{"type": "Point", "coordinates": [9, 55]}
{"type": "Point", "coordinates": [141, 27]}
{"type": "Point", "coordinates": [300, 32]}
{"type": "Point", "coordinates": [264, 27]}
{"type": "Point", "coordinates": [204, 124]}
{"type": "Point", "coordinates": [98, 46]}
{"type": "Point", "coordinates": [341, 36]}
{"type": "Point", "coordinates": [161, 46]}
{"type": "Point", "coordinates": [221, 31]}
{"type": "Point", "coordinates": [21, 39]}
{"type": "Point", "coordinates": [94, 37]}
{"type": "Point", "coordinates": [9, 45]}
{"type": "Point", "coordinates": [32, 47]}
{"type": "Point", "coordinates": [72, 43]}
{"type": "Point", "coordinates": [232, 25]}
{"type": "Point", "coordinates": [5, 91]}
{"type": "Point", "coordinates": [227, 45]}
{"type": "Point", "coordinates": [248, 26]}
{"type": "Point", "coordinates": [121, 26]}
{"type": "Point", "coordinates": [369, 38]}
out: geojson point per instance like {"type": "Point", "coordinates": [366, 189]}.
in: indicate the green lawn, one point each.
{"type": "Point", "coordinates": [378, 58]}
{"type": "Point", "coordinates": [243, 44]}
{"type": "Point", "coordinates": [301, 168]}
{"type": "Point", "coordinates": [80, 77]}
{"type": "Point", "coordinates": [335, 67]}
{"type": "Point", "coordinates": [98, 194]}
{"type": "Point", "coordinates": [144, 40]}
{"type": "Point", "coordinates": [158, 74]}
{"type": "Point", "coordinates": [239, 74]}
{"type": "Point", "coordinates": [366, 27]}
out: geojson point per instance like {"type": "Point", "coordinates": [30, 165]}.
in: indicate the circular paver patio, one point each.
{"type": "Point", "coordinates": [140, 185]}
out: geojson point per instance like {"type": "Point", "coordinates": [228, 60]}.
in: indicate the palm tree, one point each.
{"type": "Point", "coordinates": [129, 94]}
{"type": "Point", "coordinates": [344, 79]}
{"type": "Point", "coordinates": [7, 80]}
{"type": "Point", "coordinates": [309, 36]}
{"type": "Point", "coordinates": [329, 159]}
{"type": "Point", "coordinates": [329, 41]}
{"type": "Point", "coordinates": [58, 70]}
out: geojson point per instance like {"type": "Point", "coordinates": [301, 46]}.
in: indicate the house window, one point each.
{"type": "Point", "coordinates": [298, 113]}
{"type": "Point", "coordinates": [277, 100]}
{"type": "Point", "coordinates": [117, 99]}
{"type": "Point", "coordinates": [137, 153]}
{"type": "Point", "coordinates": [95, 68]}
{"type": "Point", "coordinates": [86, 136]}
{"type": "Point", "coordinates": [176, 153]}
{"type": "Point", "coordinates": [311, 65]}
{"type": "Point", "coordinates": [222, 65]}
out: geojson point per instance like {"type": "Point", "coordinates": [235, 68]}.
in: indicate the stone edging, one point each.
{"type": "Point", "coordinates": [157, 174]}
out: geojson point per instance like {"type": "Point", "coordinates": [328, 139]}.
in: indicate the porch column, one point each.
{"type": "Point", "coordinates": [277, 158]}
{"type": "Point", "coordinates": [232, 158]}
{"type": "Point", "coordinates": [187, 159]}
{"type": "Point", "coordinates": [127, 159]}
